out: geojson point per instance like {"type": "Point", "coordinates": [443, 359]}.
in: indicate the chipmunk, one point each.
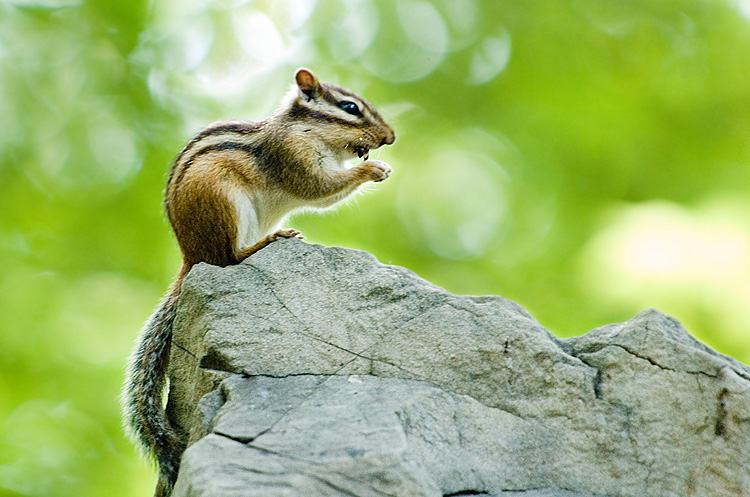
{"type": "Point", "coordinates": [228, 192]}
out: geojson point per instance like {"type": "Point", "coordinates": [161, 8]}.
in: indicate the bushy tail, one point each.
{"type": "Point", "coordinates": [144, 415]}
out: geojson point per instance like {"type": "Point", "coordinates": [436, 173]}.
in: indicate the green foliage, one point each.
{"type": "Point", "coordinates": [586, 159]}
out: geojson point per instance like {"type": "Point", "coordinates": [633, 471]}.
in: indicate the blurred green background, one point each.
{"type": "Point", "coordinates": [585, 158]}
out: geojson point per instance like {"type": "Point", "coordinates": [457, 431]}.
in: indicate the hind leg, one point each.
{"type": "Point", "coordinates": [267, 240]}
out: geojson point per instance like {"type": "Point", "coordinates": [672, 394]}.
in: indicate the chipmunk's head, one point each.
{"type": "Point", "coordinates": [342, 119]}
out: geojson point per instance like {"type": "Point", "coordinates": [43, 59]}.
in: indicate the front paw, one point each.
{"type": "Point", "coordinates": [377, 170]}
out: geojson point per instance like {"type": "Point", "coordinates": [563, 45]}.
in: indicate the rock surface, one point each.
{"type": "Point", "coordinates": [317, 371]}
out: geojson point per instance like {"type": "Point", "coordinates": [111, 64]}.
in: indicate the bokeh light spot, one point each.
{"type": "Point", "coordinates": [423, 25]}
{"type": "Point", "coordinates": [689, 262]}
{"type": "Point", "coordinates": [458, 205]}
{"type": "Point", "coordinates": [258, 36]}
{"type": "Point", "coordinates": [490, 58]}
{"type": "Point", "coordinates": [413, 51]}
{"type": "Point", "coordinates": [114, 150]}
{"type": "Point", "coordinates": [354, 34]}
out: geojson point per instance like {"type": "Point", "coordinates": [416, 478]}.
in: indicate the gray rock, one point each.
{"type": "Point", "coordinates": [343, 376]}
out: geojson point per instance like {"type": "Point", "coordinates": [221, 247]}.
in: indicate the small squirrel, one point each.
{"type": "Point", "coordinates": [228, 192]}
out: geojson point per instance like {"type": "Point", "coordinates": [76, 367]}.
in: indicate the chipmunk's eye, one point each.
{"type": "Point", "coordinates": [350, 107]}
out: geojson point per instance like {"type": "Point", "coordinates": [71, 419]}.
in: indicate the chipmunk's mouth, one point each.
{"type": "Point", "coordinates": [362, 151]}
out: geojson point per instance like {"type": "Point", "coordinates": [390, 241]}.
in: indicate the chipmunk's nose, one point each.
{"type": "Point", "coordinates": [389, 138]}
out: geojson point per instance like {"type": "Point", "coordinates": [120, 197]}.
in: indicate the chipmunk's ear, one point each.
{"type": "Point", "coordinates": [307, 83]}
